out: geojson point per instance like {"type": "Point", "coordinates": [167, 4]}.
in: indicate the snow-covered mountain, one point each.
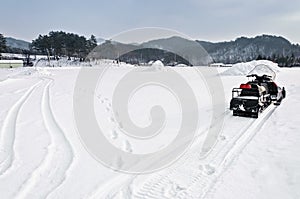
{"type": "Point", "coordinates": [186, 48]}
{"type": "Point", "coordinates": [245, 49]}
{"type": "Point", "coordinates": [240, 50]}
{"type": "Point", "coordinates": [100, 41]}
{"type": "Point", "coordinates": [17, 43]}
{"type": "Point", "coordinates": [111, 50]}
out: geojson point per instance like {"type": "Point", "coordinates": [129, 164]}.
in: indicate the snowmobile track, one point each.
{"type": "Point", "coordinates": [158, 178]}
{"type": "Point", "coordinates": [238, 147]}
{"type": "Point", "coordinates": [212, 168]}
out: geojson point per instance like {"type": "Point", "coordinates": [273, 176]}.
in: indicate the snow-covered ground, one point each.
{"type": "Point", "coordinates": [41, 155]}
{"type": "Point", "coordinates": [21, 56]}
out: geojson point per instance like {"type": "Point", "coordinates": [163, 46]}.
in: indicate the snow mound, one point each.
{"type": "Point", "coordinates": [259, 67]}
{"type": "Point", "coordinates": [158, 63]}
{"type": "Point", "coordinates": [150, 63]}
{"type": "Point", "coordinates": [157, 66]}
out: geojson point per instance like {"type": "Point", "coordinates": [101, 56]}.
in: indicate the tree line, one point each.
{"type": "Point", "coordinates": [59, 43]}
{"type": "Point", "coordinates": [283, 61]}
{"type": "Point", "coordinates": [2, 44]}
{"type": "Point", "coordinates": [55, 44]}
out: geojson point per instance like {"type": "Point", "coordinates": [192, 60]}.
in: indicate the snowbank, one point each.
{"type": "Point", "coordinates": [157, 66]}
{"type": "Point", "coordinates": [158, 63]}
{"type": "Point", "coordinates": [254, 67]}
{"type": "Point", "coordinates": [150, 63]}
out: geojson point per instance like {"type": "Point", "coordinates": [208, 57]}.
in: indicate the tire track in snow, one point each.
{"type": "Point", "coordinates": [53, 170]}
{"type": "Point", "coordinates": [8, 132]}
{"type": "Point", "coordinates": [163, 185]}
{"type": "Point", "coordinates": [109, 189]}
{"type": "Point", "coordinates": [115, 187]}
{"type": "Point", "coordinates": [238, 147]}
{"type": "Point", "coordinates": [224, 157]}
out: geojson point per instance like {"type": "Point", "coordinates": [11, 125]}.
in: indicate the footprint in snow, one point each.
{"type": "Point", "coordinates": [128, 147]}
{"type": "Point", "coordinates": [120, 125]}
{"type": "Point", "coordinates": [174, 190]}
{"type": "Point", "coordinates": [209, 169]}
{"type": "Point", "coordinates": [201, 167]}
{"type": "Point", "coordinates": [118, 163]}
{"type": "Point", "coordinates": [178, 188]}
{"type": "Point", "coordinates": [222, 137]}
{"type": "Point", "coordinates": [114, 135]}
{"type": "Point", "coordinates": [112, 119]}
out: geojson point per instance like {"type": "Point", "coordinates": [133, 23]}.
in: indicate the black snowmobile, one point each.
{"type": "Point", "coordinates": [253, 97]}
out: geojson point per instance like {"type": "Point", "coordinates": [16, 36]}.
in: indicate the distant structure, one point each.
{"type": "Point", "coordinates": [11, 63]}
{"type": "Point", "coordinates": [219, 65]}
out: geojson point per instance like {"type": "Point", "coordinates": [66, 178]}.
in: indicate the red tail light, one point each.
{"type": "Point", "coordinates": [245, 86]}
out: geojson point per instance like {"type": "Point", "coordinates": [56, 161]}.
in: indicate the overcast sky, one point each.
{"type": "Point", "coordinates": [214, 20]}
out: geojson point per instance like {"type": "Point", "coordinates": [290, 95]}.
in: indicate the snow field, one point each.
{"type": "Point", "coordinates": [41, 155]}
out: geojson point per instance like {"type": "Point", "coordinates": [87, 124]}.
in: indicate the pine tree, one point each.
{"type": "Point", "coordinates": [259, 57]}
{"type": "Point", "coordinates": [60, 43]}
{"type": "Point", "coordinates": [92, 43]}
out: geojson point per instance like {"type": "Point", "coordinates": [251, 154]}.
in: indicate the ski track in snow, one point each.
{"type": "Point", "coordinates": [163, 184]}
{"type": "Point", "coordinates": [8, 132]}
{"type": "Point", "coordinates": [53, 170]}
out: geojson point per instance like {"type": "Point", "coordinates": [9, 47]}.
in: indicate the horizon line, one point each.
{"type": "Point", "coordinates": [191, 39]}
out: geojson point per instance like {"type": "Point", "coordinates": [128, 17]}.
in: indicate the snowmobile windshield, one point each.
{"type": "Point", "coordinates": [263, 69]}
